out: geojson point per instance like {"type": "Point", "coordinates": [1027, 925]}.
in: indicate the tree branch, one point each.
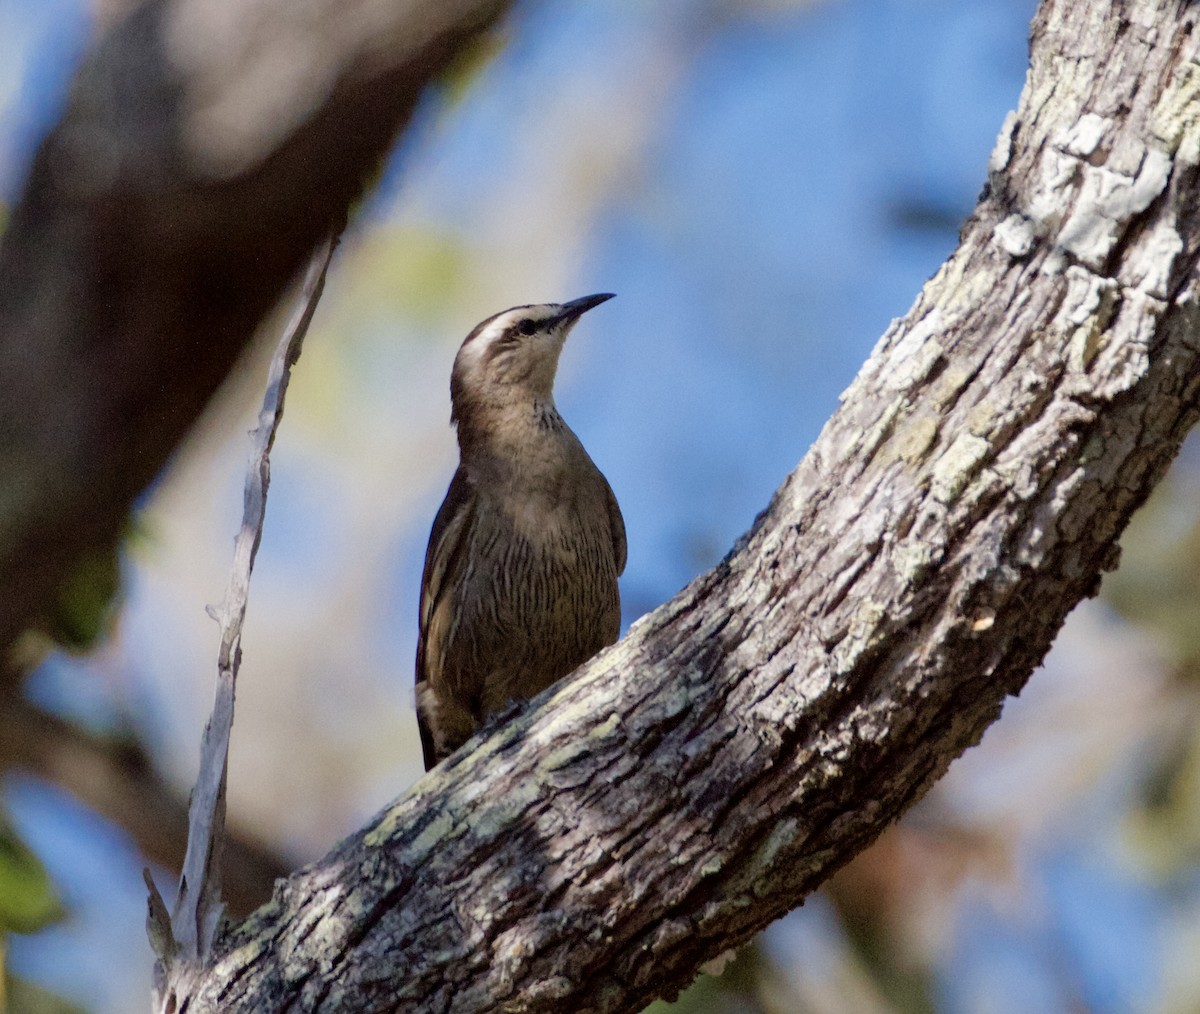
{"type": "Point", "coordinates": [185, 942]}
{"type": "Point", "coordinates": [207, 147]}
{"type": "Point", "coordinates": [696, 781]}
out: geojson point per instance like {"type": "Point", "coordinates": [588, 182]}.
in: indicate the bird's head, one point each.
{"type": "Point", "coordinates": [513, 356]}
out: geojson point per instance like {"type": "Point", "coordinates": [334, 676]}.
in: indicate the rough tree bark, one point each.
{"type": "Point", "coordinates": [207, 146]}
{"type": "Point", "coordinates": [696, 781]}
{"type": "Point", "coordinates": [161, 220]}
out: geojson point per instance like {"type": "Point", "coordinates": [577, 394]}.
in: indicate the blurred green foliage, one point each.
{"type": "Point", "coordinates": [86, 605]}
{"type": "Point", "coordinates": [1158, 589]}
{"type": "Point", "coordinates": [750, 983]}
{"type": "Point", "coordinates": [1158, 583]}
{"type": "Point", "coordinates": [25, 998]}
{"type": "Point", "coordinates": [28, 899]}
{"type": "Point", "coordinates": [470, 62]}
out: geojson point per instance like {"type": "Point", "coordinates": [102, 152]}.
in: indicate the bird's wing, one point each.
{"type": "Point", "coordinates": [443, 557]}
{"type": "Point", "coordinates": [617, 524]}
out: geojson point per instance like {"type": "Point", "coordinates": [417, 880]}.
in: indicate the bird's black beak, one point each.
{"type": "Point", "coordinates": [575, 309]}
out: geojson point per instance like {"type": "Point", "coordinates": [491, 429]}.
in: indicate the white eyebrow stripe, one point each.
{"type": "Point", "coordinates": [476, 347]}
{"type": "Point", "coordinates": [477, 344]}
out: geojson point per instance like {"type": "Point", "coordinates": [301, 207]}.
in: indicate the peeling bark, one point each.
{"type": "Point", "coordinates": [696, 781]}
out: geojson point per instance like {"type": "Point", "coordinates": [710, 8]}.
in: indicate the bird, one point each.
{"type": "Point", "coordinates": [520, 583]}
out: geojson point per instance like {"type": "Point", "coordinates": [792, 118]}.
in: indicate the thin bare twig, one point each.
{"type": "Point", "coordinates": [184, 943]}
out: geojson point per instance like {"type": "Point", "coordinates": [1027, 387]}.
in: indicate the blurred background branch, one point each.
{"type": "Point", "coordinates": [116, 779]}
{"type": "Point", "coordinates": [161, 220]}
{"type": "Point", "coordinates": [696, 782]}
{"type": "Point", "coordinates": [735, 171]}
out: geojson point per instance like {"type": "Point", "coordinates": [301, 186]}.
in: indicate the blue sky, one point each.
{"type": "Point", "coordinates": [806, 173]}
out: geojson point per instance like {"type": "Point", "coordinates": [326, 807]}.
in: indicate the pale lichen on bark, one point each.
{"type": "Point", "coordinates": [757, 731]}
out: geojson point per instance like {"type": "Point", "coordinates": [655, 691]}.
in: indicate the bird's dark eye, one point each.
{"type": "Point", "coordinates": [527, 326]}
